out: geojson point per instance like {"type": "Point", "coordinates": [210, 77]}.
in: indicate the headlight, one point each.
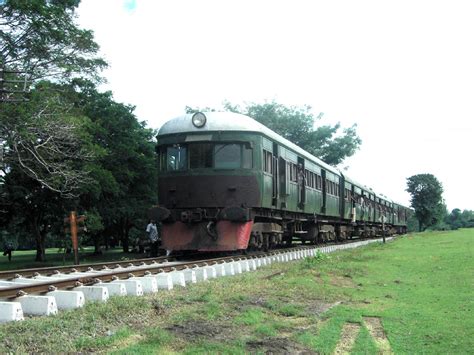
{"type": "Point", "coordinates": [199, 119]}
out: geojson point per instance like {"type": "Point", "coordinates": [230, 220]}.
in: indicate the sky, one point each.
{"type": "Point", "coordinates": [403, 71]}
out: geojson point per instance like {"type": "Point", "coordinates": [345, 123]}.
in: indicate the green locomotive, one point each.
{"type": "Point", "coordinates": [226, 182]}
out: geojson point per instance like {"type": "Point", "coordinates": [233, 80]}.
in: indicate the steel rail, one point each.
{"type": "Point", "coordinates": [119, 273]}
{"type": "Point", "coordinates": [50, 270]}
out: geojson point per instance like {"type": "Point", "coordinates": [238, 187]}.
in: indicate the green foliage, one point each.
{"type": "Point", "coordinates": [297, 124]}
{"type": "Point", "coordinates": [426, 198]}
{"type": "Point", "coordinates": [112, 171]}
{"type": "Point", "coordinates": [313, 261]}
{"type": "Point", "coordinates": [125, 175]}
{"type": "Point", "coordinates": [457, 219]}
{"type": "Point", "coordinates": [42, 38]}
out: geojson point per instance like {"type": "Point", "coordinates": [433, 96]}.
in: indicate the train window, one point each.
{"type": "Point", "coordinates": [319, 182]}
{"type": "Point", "coordinates": [347, 194]}
{"type": "Point", "coordinates": [267, 161]}
{"type": "Point", "coordinates": [294, 175]}
{"type": "Point", "coordinates": [200, 155]}
{"type": "Point", "coordinates": [309, 177]}
{"type": "Point", "coordinates": [176, 158]}
{"type": "Point", "coordinates": [227, 156]}
{"type": "Point", "coordinates": [247, 161]}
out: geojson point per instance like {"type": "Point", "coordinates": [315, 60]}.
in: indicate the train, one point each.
{"type": "Point", "coordinates": [227, 183]}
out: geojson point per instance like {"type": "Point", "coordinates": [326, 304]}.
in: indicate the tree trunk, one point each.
{"type": "Point", "coordinates": [124, 237]}
{"type": "Point", "coordinates": [39, 239]}
{"type": "Point", "coordinates": [40, 249]}
{"type": "Point", "coordinates": [420, 226]}
{"type": "Point", "coordinates": [97, 249]}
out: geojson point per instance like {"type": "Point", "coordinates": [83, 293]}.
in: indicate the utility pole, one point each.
{"type": "Point", "coordinates": [73, 220]}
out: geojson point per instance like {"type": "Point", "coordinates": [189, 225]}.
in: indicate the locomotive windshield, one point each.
{"type": "Point", "coordinates": [176, 157]}
{"type": "Point", "coordinates": [206, 155]}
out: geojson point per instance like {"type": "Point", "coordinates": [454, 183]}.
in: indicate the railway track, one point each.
{"type": "Point", "coordinates": [44, 291]}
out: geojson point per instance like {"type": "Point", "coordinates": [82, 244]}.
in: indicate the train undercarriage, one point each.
{"type": "Point", "coordinates": [237, 228]}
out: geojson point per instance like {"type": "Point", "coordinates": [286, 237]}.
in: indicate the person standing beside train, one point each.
{"type": "Point", "coordinates": [152, 231]}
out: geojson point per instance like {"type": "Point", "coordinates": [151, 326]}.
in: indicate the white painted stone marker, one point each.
{"type": "Point", "coordinates": [38, 305]}
{"type": "Point", "coordinates": [164, 281]}
{"type": "Point", "coordinates": [132, 285]}
{"type": "Point", "coordinates": [211, 272]}
{"type": "Point", "coordinates": [149, 284]}
{"type": "Point", "coordinates": [237, 267]}
{"type": "Point", "coordinates": [10, 311]}
{"type": "Point", "coordinates": [252, 264]}
{"type": "Point", "coordinates": [189, 276]}
{"type": "Point", "coordinates": [220, 270]}
{"type": "Point", "coordinates": [94, 293]}
{"type": "Point", "coordinates": [201, 274]}
{"type": "Point", "coordinates": [229, 268]}
{"type": "Point", "coordinates": [114, 289]}
{"type": "Point", "coordinates": [178, 278]}
{"type": "Point", "coordinates": [68, 299]}
{"type": "Point", "coordinates": [245, 265]}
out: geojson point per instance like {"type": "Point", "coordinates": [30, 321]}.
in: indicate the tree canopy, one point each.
{"type": "Point", "coordinates": [41, 38]}
{"type": "Point", "coordinates": [67, 146]}
{"type": "Point", "coordinates": [460, 219]}
{"type": "Point", "coordinates": [43, 136]}
{"type": "Point", "coordinates": [298, 125]}
{"type": "Point", "coordinates": [426, 199]}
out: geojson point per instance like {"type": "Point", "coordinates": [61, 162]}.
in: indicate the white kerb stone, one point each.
{"type": "Point", "coordinates": [178, 278]}
{"type": "Point", "coordinates": [10, 311]}
{"type": "Point", "coordinates": [133, 286]}
{"type": "Point", "coordinates": [245, 265]}
{"type": "Point", "coordinates": [149, 284]}
{"type": "Point", "coordinates": [211, 272]}
{"type": "Point", "coordinates": [94, 293]}
{"type": "Point", "coordinates": [252, 265]}
{"type": "Point", "coordinates": [229, 268]}
{"type": "Point", "coordinates": [220, 270]}
{"type": "Point", "coordinates": [164, 281]}
{"type": "Point", "coordinates": [68, 299]}
{"type": "Point", "coordinates": [237, 267]}
{"type": "Point", "coordinates": [115, 288]}
{"type": "Point", "coordinates": [38, 305]}
{"type": "Point", "coordinates": [189, 276]}
{"type": "Point", "coordinates": [201, 274]}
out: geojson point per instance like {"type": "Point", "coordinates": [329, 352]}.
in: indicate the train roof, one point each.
{"type": "Point", "coordinates": [230, 121]}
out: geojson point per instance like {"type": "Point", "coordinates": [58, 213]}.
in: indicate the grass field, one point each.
{"type": "Point", "coordinates": [410, 296]}
{"type": "Point", "coordinates": [25, 259]}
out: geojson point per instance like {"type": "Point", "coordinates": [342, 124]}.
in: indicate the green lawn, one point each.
{"type": "Point", "coordinates": [25, 259]}
{"type": "Point", "coordinates": [419, 289]}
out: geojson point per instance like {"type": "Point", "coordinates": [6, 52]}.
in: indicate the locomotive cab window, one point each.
{"type": "Point", "coordinates": [176, 157]}
{"type": "Point", "coordinates": [200, 155]}
{"type": "Point", "coordinates": [227, 156]}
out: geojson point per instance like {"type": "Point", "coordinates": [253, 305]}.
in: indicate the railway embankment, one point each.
{"type": "Point", "coordinates": [413, 295]}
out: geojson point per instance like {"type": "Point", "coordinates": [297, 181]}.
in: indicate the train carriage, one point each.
{"type": "Point", "coordinates": [226, 182]}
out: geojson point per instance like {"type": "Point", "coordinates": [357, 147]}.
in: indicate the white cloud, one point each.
{"type": "Point", "coordinates": [401, 70]}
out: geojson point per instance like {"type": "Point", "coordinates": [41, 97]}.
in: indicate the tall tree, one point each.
{"type": "Point", "coordinates": [42, 39]}
{"type": "Point", "coordinates": [298, 125]}
{"type": "Point", "coordinates": [125, 175]}
{"type": "Point", "coordinates": [426, 199]}
{"type": "Point", "coordinates": [44, 137]}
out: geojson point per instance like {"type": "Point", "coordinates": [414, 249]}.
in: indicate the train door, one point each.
{"type": "Point", "coordinates": [342, 196]}
{"type": "Point", "coordinates": [275, 173]}
{"type": "Point", "coordinates": [323, 178]}
{"type": "Point", "coordinates": [301, 181]}
{"type": "Point", "coordinates": [284, 181]}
